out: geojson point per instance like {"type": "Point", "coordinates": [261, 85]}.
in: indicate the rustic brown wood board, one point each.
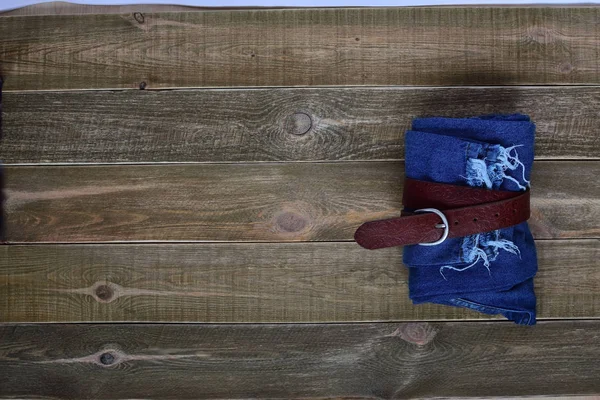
{"type": "Point", "coordinates": [248, 282]}
{"type": "Point", "coordinates": [274, 202]}
{"type": "Point", "coordinates": [195, 239]}
{"type": "Point", "coordinates": [277, 124]}
{"type": "Point", "coordinates": [371, 46]}
{"type": "Point", "coordinates": [383, 360]}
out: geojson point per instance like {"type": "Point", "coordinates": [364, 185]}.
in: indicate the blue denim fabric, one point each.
{"type": "Point", "coordinates": [475, 152]}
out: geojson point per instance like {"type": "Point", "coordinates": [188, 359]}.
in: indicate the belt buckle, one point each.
{"type": "Point", "coordinates": [444, 225]}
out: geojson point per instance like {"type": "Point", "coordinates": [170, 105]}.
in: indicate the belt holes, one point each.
{"type": "Point", "coordinates": [455, 222]}
{"type": "Point", "coordinates": [474, 219]}
{"type": "Point", "coordinates": [514, 210]}
{"type": "Point", "coordinates": [497, 215]}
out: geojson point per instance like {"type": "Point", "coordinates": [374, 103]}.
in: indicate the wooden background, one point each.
{"type": "Point", "coordinates": [171, 173]}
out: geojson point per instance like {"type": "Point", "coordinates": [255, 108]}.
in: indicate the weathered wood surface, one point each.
{"type": "Point", "coordinates": [395, 360]}
{"type": "Point", "coordinates": [378, 46]}
{"type": "Point", "coordinates": [254, 202]}
{"type": "Point", "coordinates": [326, 277]}
{"type": "Point", "coordinates": [237, 282]}
{"type": "Point", "coordinates": [275, 124]}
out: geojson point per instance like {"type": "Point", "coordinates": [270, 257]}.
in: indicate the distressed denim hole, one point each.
{"type": "Point", "coordinates": [492, 165]}
{"type": "Point", "coordinates": [489, 169]}
{"type": "Point", "coordinates": [482, 247]}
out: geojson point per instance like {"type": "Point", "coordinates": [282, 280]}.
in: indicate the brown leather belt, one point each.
{"type": "Point", "coordinates": [467, 211]}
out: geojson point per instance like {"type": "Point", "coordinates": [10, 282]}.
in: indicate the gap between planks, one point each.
{"type": "Point", "coordinates": [266, 163]}
{"type": "Point", "coordinates": [540, 86]}
{"type": "Point", "coordinates": [216, 242]}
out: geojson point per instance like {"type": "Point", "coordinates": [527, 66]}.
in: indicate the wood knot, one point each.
{"type": "Point", "coordinates": [565, 68]}
{"type": "Point", "coordinates": [290, 222]}
{"type": "Point", "coordinates": [298, 123]}
{"type": "Point", "coordinates": [416, 333]}
{"type": "Point", "coordinates": [139, 17]}
{"type": "Point", "coordinates": [107, 358]}
{"type": "Point", "coordinates": [541, 35]}
{"type": "Point", "coordinates": [104, 293]}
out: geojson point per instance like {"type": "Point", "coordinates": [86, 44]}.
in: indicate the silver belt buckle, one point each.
{"type": "Point", "coordinates": [444, 225]}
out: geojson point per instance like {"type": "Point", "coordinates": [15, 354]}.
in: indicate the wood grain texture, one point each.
{"type": "Point", "coordinates": [253, 202]}
{"type": "Point", "coordinates": [275, 124]}
{"type": "Point", "coordinates": [247, 282]}
{"type": "Point", "coordinates": [385, 361]}
{"type": "Point", "coordinates": [377, 46]}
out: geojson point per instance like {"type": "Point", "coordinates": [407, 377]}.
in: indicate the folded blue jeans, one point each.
{"type": "Point", "coordinates": [489, 272]}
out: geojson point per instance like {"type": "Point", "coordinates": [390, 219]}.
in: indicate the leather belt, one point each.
{"type": "Point", "coordinates": [467, 211]}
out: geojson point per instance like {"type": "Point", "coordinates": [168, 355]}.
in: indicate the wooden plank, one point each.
{"type": "Point", "coordinates": [299, 47]}
{"type": "Point", "coordinates": [253, 202]}
{"type": "Point", "coordinates": [406, 360]}
{"type": "Point", "coordinates": [275, 124]}
{"type": "Point", "coordinates": [248, 282]}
